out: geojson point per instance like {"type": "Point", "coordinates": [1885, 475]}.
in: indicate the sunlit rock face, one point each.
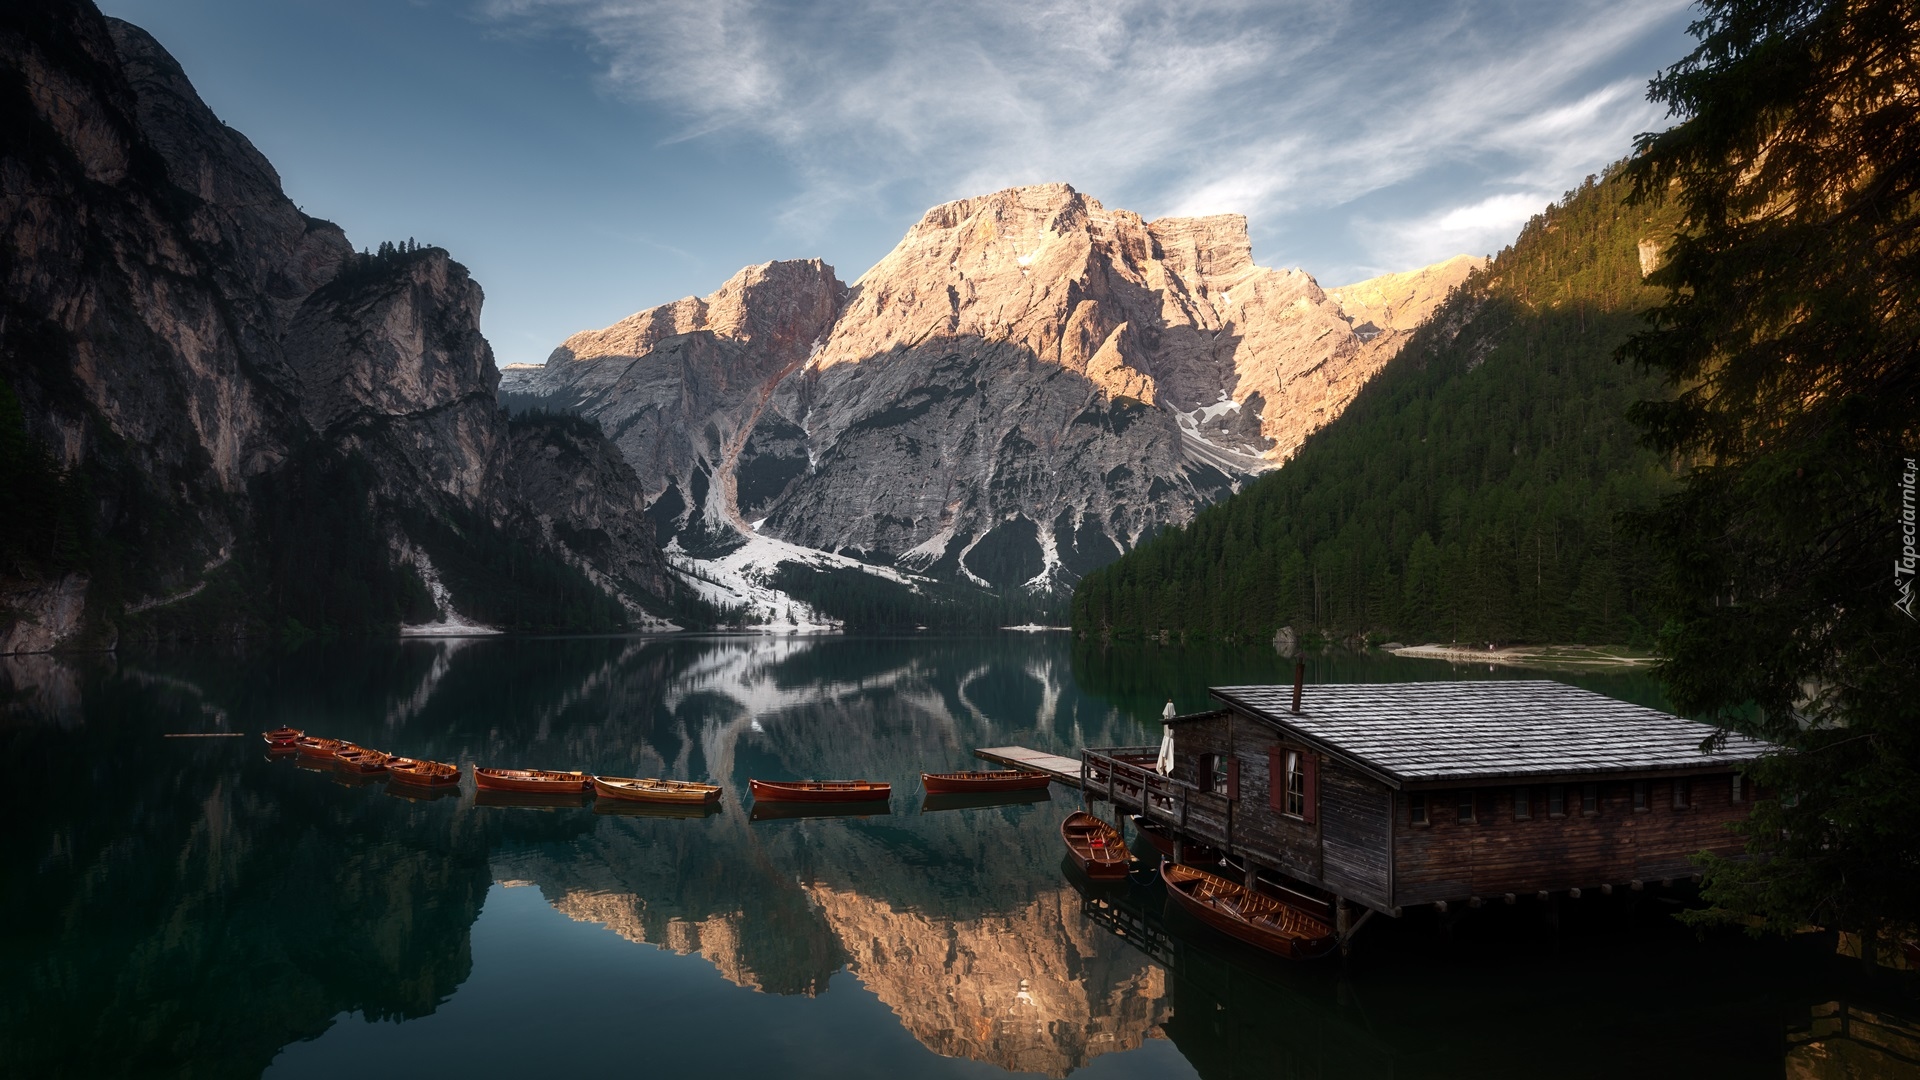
{"type": "Point", "coordinates": [1026, 370]}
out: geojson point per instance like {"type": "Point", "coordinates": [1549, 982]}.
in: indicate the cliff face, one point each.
{"type": "Point", "coordinates": [1023, 388]}
{"type": "Point", "coordinates": [185, 347]}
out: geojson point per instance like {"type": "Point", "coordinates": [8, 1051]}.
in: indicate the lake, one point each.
{"type": "Point", "coordinates": [191, 907]}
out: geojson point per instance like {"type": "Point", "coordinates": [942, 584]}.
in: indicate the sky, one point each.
{"type": "Point", "coordinates": [587, 159]}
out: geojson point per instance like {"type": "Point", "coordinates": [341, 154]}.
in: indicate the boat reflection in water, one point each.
{"type": "Point", "coordinates": [934, 804]}
{"type": "Point", "coordinates": [549, 800]}
{"type": "Point", "coordinates": [1418, 1003]}
{"type": "Point", "coordinates": [212, 913]}
{"type": "Point", "coordinates": [764, 810]}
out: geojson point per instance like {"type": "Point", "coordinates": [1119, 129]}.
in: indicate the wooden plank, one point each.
{"type": "Point", "coordinates": [1062, 770]}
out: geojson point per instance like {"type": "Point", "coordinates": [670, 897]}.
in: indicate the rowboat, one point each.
{"type": "Point", "coordinates": [360, 759]}
{"type": "Point", "coordinates": [819, 790]}
{"type": "Point", "coordinates": [1096, 846]}
{"type": "Point", "coordinates": [1238, 912]}
{"type": "Point", "coordinates": [531, 780]}
{"type": "Point", "coordinates": [319, 748]}
{"type": "Point", "coordinates": [976, 783]}
{"type": "Point", "coordinates": [283, 738]}
{"type": "Point", "coordinates": [671, 792]}
{"type": "Point", "coordinates": [421, 773]}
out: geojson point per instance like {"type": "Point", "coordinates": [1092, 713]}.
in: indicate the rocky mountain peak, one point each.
{"type": "Point", "coordinates": [1027, 384]}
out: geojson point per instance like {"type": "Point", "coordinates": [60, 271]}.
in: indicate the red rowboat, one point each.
{"type": "Point", "coordinates": [1095, 846]}
{"type": "Point", "coordinates": [666, 792]}
{"type": "Point", "coordinates": [1238, 912]}
{"type": "Point", "coordinates": [319, 748]}
{"type": "Point", "coordinates": [534, 781]}
{"type": "Point", "coordinates": [979, 783]}
{"type": "Point", "coordinates": [283, 738]}
{"type": "Point", "coordinates": [360, 759]}
{"type": "Point", "coordinates": [819, 790]}
{"type": "Point", "coordinates": [423, 773]}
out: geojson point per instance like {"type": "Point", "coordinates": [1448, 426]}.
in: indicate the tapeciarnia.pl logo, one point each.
{"type": "Point", "coordinates": [1903, 566]}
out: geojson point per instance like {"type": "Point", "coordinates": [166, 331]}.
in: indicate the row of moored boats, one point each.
{"type": "Point", "coordinates": [422, 773]}
{"type": "Point", "coordinates": [1260, 920]}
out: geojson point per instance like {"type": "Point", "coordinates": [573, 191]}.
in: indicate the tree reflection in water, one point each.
{"type": "Point", "coordinates": [187, 906]}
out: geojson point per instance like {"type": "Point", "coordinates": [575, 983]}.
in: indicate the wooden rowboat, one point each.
{"type": "Point", "coordinates": [360, 759]}
{"type": "Point", "coordinates": [1095, 846]}
{"type": "Point", "coordinates": [819, 790]}
{"type": "Point", "coordinates": [283, 738]}
{"type": "Point", "coordinates": [319, 748]}
{"type": "Point", "coordinates": [669, 792]}
{"type": "Point", "coordinates": [421, 773]}
{"type": "Point", "coordinates": [534, 781]}
{"type": "Point", "coordinates": [1238, 912]}
{"type": "Point", "coordinates": [977, 783]}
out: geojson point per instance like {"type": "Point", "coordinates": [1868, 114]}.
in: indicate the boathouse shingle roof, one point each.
{"type": "Point", "coordinates": [1426, 731]}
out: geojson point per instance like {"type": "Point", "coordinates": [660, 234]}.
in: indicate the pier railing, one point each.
{"type": "Point", "coordinates": [1125, 776]}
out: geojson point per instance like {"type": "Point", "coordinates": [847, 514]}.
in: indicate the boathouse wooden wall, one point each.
{"type": "Point", "coordinates": [1345, 848]}
{"type": "Point", "coordinates": [1494, 854]}
{"type": "Point", "coordinates": [1362, 844]}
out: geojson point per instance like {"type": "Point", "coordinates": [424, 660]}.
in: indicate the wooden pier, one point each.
{"type": "Point", "coordinates": [1063, 770]}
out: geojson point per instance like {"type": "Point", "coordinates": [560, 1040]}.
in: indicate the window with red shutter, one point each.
{"type": "Point", "coordinates": [1277, 779]}
{"type": "Point", "coordinates": [1233, 779]}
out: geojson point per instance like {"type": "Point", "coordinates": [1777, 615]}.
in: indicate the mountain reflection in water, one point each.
{"type": "Point", "coordinates": [190, 907]}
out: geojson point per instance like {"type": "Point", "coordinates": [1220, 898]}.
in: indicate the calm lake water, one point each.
{"type": "Point", "coordinates": [186, 906]}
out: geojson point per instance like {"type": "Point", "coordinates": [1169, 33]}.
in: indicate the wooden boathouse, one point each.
{"type": "Point", "coordinates": [1394, 795]}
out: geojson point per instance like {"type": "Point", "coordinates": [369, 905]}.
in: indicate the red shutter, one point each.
{"type": "Point", "coordinates": [1233, 779]}
{"type": "Point", "coordinates": [1310, 762]}
{"type": "Point", "coordinates": [1276, 779]}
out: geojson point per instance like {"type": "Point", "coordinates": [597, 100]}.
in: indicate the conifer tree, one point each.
{"type": "Point", "coordinates": [1789, 335]}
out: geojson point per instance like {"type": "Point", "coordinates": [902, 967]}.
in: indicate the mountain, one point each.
{"type": "Point", "coordinates": [1474, 489]}
{"type": "Point", "coordinates": [1028, 385]}
{"type": "Point", "coordinates": [218, 419]}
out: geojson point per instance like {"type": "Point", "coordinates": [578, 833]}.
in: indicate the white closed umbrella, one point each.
{"type": "Point", "coordinates": [1164, 764]}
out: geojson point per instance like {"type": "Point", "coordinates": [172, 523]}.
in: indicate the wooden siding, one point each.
{"type": "Point", "coordinates": [1349, 803]}
{"type": "Point", "coordinates": [1354, 822]}
{"type": "Point", "coordinates": [1495, 854]}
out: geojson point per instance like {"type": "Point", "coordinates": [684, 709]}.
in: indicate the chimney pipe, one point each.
{"type": "Point", "coordinates": [1299, 680]}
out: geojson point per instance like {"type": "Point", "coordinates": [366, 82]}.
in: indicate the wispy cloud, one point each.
{"type": "Point", "coordinates": [1415, 121]}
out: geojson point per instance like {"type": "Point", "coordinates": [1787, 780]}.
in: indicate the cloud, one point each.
{"type": "Point", "coordinates": [1282, 111]}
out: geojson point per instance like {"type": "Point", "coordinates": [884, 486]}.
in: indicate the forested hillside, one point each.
{"type": "Point", "coordinates": [1472, 492]}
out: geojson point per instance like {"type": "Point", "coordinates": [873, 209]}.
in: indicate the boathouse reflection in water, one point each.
{"type": "Point", "coordinates": [199, 907]}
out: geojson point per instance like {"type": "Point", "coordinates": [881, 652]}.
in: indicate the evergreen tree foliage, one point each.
{"type": "Point", "coordinates": [1471, 492]}
{"type": "Point", "coordinates": [1789, 332]}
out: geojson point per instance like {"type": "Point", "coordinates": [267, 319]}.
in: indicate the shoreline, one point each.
{"type": "Point", "coordinates": [1562, 657]}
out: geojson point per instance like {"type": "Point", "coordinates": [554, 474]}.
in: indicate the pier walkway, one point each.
{"type": "Point", "coordinates": [1063, 770]}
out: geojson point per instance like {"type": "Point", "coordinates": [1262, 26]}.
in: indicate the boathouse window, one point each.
{"type": "Point", "coordinates": [1642, 796]}
{"type": "Point", "coordinates": [1557, 800]}
{"type": "Point", "coordinates": [1296, 784]}
{"type": "Point", "coordinates": [1682, 792]}
{"type": "Point", "coordinates": [1466, 808]}
{"type": "Point", "coordinates": [1589, 799]}
{"type": "Point", "coordinates": [1215, 766]}
{"type": "Point", "coordinates": [1417, 807]}
{"type": "Point", "coordinates": [1522, 804]}
{"type": "Point", "coordinates": [1738, 795]}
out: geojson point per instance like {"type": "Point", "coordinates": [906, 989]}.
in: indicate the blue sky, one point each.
{"type": "Point", "coordinates": [589, 158]}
